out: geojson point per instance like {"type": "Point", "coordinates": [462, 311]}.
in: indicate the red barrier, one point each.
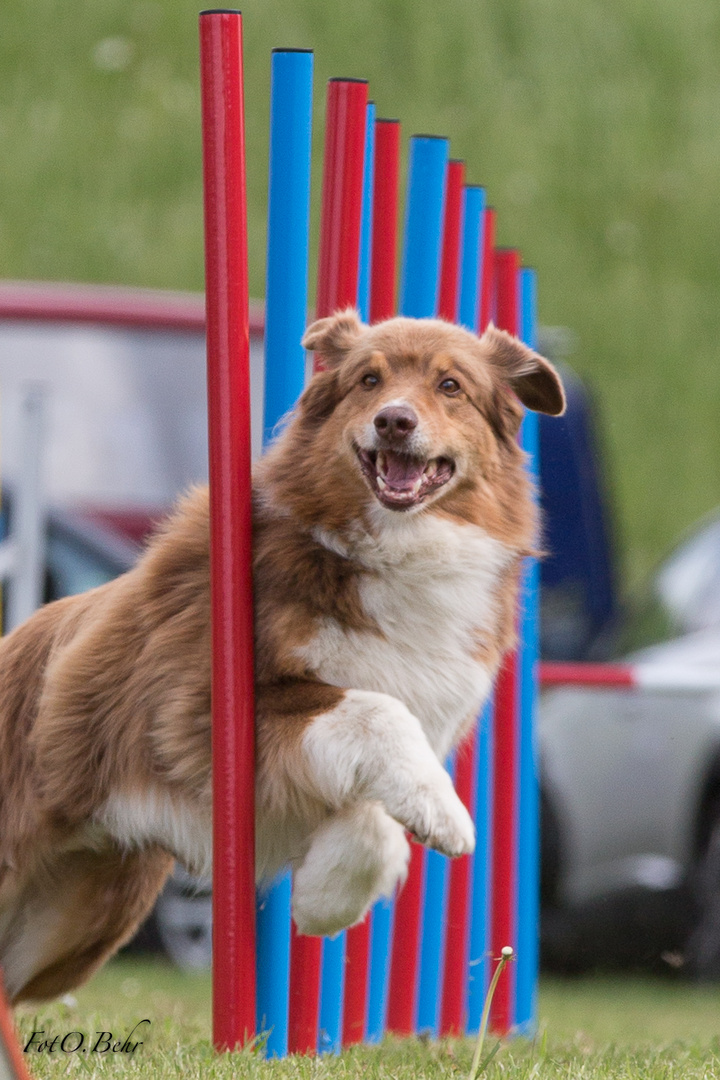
{"type": "Point", "coordinates": [558, 673]}
{"type": "Point", "coordinates": [503, 927]}
{"type": "Point", "coordinates": [228, 344]}
{"type": "Point", "coordinates": [337, 288]}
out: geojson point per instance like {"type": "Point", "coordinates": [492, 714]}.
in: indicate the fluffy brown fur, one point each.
{"type": "Point", "coordinates": [105, 697]}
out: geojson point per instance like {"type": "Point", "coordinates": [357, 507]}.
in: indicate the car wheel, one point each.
{"type": "Point", "coordinates": [702, 949]}
{"type": "Point", "coordinates": [183, 918]}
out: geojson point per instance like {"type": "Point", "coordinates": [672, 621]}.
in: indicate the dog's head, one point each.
{"type": "Point", "coordinates": [420, 408]}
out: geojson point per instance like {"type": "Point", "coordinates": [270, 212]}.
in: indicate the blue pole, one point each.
{"type": "Point", "coordinates": [432, 940]}
{"type": "Point", "coordinates": [379, 981]}
{"type": "Point", "coordinates": [273, 963]}
{"type": "Point", "coordinates": [419, 291]}
{"type": "Point", "coordinates": [471, 257]}
{"type": "Point", "coordinates": [366, 222]}
{"type": "Point", "coordinates": [332, 986]}
{"type": "Point", "coordinates": [481, 879]}
{"type": "Point", "coordinates": [285, 319]}
{"type": "Point", "coordinates": [529, 835]}
{"type": "Point", "coordinates": [288, 232]}
{"type": "Point", "coordinates": [420, 275]}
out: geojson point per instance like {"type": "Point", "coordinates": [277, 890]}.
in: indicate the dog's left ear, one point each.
{"type": "Point", "coordinates": [334, 336]}
{"type": "Point", "coordinates": [529, 375]}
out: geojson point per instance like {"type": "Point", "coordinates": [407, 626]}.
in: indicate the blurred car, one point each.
{"type": "Point", "coordinates": [630, 782]}
{"type": "Point", "coordinates": [631, 789]}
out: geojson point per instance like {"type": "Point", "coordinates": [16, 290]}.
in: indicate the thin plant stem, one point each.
{"type": "Point", "coordinates": [505, 956]}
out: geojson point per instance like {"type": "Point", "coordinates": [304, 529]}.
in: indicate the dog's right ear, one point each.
{"type": "Point", "coordinates": [320, 397]}
{"type": "Point", "coordinates": [333, 337]}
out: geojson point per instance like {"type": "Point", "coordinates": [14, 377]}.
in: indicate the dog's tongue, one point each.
{"type": "Point", "coordinates": [401, 471]}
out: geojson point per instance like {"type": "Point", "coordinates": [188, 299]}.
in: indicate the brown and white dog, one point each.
{"type": "Point", "coordinates": [391, 517]}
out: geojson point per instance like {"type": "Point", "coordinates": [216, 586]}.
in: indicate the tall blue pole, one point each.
{"type": "Point", "coordinates": [379, 976]}
{"type": "Point", "coordinates": [529, 835]}
{"type": "Point", "coordinates": [471, 257]}
{"type": "Point", "coordinates": [481, 875]}
{"type": "Point", "coordinates": [286, 296]}
{"type": "Point", "coordinates": [366, 224]}
{"type": "Point", "coordinates": [285, 320]}
{"type": "Point", "coordinates": [420, 275]}
{"type": "Point", "coordinates": [419, 292]}
{"type": "Point", "coordinates": [332, 983]}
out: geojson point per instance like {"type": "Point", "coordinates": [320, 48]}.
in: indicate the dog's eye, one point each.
{"type": "Point", "coordinates": [370, 381]}
{"type": "Point", "coordinates": [451, 387]}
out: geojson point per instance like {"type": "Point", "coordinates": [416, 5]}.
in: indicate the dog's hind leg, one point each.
{"type": "Point", "coordinates": [355, 856]}
{"type": "Point", "coordinates": [75, 915]}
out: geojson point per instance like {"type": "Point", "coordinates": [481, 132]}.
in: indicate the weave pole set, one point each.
{"type": "Point", "coordinates": [419, 962]}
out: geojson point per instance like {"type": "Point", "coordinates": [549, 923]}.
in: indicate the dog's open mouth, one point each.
{"type": "Point", "coordinates": [400, 481]}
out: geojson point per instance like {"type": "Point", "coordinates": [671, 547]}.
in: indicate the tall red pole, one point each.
{"type": "Point", "coordinates": [383, 277]}
{"type": "Point", "coordinates": [339, 255]}
{"type": "Point", "coordinates": [402, 1005]}
{"type": "Point", "coordinates": [452, 235]}
{"type": "Point", "coordinates": [457, 934]}
{"type": "Point", "coordinates": [383, 267]}
{"type": "Point", "coordinates": [404, 960]}
{"type": "Point", "coordinates": [489, 280]}
{"type": "Point", "coordinates": [228, 348]}
{"type": "Point", "coordinates": [337, 288]}
{"type": "Point", "coordinates": [506, 766]}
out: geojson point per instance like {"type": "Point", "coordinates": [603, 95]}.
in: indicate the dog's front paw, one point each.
{"type": "Point", "coordinates": [437, 818]}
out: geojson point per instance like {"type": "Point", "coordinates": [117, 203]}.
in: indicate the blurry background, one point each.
{"type": "Point", "coordinates": [595, 128]}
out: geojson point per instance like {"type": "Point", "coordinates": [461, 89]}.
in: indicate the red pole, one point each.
{"type": "Point", "coordinates": [404, 961]}
{"type": "Point", "coordinates": [503, 927]}
{"type": "Point", "coordinates": [382, 306]}
{"type": "Point", "coordinates": [339, 254]}
{"type": "Point", "coordinates": [337, 288]}
{"type": "Point", "coordinates": [487, 285]}
{"type": "Point", "coordinates": [228, 348]}
{"type": "Point", "coordinates": [452, 232]}
{"type": "Point", "coordinates": [457, 940]}
{"type": "Point", "coordinates": [456, 936]}
{"type": "Point", "coordinates": [403, 998]}
{"type": "Point", "coordinates": [385, 217]}
{"type": "Point", "coordinates": [357, 958]}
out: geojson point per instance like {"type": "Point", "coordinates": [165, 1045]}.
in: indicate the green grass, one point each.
{"type": "Point", "coordinates": [592, 1028]}
{"type": "Point", "coordinates": [596, 129]}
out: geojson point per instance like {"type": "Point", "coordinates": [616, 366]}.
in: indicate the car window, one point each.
{"type": "Point", "coordinates": [73, 567]}
{"type": "Point", "coordinates": [683, 596]}
{"type": "Point", "coordinates": [689, 582]}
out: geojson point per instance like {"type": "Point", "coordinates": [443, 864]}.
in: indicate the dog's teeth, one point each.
{"type": "Point", "coordinates": [381, 464]}
{"type": "Point", "coordinates": [417, 485]}
{"type": "Point", "coordinates": [380, 482]}
{"type": "Point", "coordinates": [430, 470]}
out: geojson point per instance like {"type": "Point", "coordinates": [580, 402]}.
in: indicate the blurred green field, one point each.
{"type": "Point", "coordinates": [599, 1028]}
{"type": "Point", "coordinates": [596, 129]}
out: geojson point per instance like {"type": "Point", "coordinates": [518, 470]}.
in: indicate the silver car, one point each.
{"type": "Point", "coordinates": [631, 789]}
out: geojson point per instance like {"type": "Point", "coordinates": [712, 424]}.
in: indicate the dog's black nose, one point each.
{"type": "Point", "coordinates": [396, 421]}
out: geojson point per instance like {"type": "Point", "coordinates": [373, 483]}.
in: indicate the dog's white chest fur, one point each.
{"type": "Point", "coordinates": [432, 591]}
